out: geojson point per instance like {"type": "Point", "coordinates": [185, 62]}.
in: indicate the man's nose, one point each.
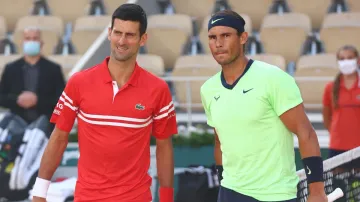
{"type": "Point", "coordinates": [218, 43]}
{"type": "Point", "coordinates": [122, 40]}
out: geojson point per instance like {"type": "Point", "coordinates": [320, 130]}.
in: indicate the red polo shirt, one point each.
{"type": "Point", "coordinates": [345, 120]}
{"type": "Point", "coordinates": [114, 128]}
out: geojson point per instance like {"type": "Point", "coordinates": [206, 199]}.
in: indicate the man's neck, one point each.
{"type": "Point", "coordinates": [32, 59]}
{"type": "Point", "coordinates": [121, 71]}
{"type": "Point", "coordinates": [234, 70]}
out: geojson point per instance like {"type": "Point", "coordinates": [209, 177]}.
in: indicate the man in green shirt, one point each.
{"type": "Point", "coordinates": [254, 108]}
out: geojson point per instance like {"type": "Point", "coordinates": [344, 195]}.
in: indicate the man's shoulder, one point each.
{"type": "Point", "coordinates": [82, 75]}
{"type": "Point", "coordinates": [213, 82]}
{"type": "Point", "coordinates": [49, 63]}
{"type": "Point", "coordinates": [150, 78]}
{"type": "Point", "coordinates": [267, 67]}
{"type": "Point", "coordinates": [270, 73]}
{"type": "Point", "coordinates": [16, 63]}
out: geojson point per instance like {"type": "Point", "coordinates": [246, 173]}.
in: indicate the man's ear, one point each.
{"type": "Point", "coordinates": [109, 33]}
{"type": "Point", "coordinates": [143, 39]}
{"type": "Point", "coordinates": [244, 37]}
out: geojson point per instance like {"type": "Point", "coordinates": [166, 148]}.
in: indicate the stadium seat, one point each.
{"type": "Point", "coordinates": [51, 27]}
{"type": "Point", "coordinates": [3, 28]}
{"type": "Point", "coordinates": [339, 29]}
{"type": "Point", "coordinates": [354, 5]}
{"type": "Point", "coordinates": [192, 66]}
{"type": "Point", "coordinates": [111, 5]}
{"type": "Point", "coordinates": [203, 35]}
{"type": "Point", "coordinates": [316, 10]}
{"type": "Point", "coordinates": [196, 61]}
{"type": "Point", "coordinates": [199, 8]}
{"type": "Point", "coordinates": [167, 36]}
{"type": "Point", "coordinates": [152, 63]}
{"type": "Point", "coordinates": [69, 10]}
{"type": "Point", "coordinates": [5, 59]}
{"type": "Point", "coordinates": [50, 23]}
{"type": "Point", "coordinates": [317, 65]}
{"type": "Point", "coordinates": [181, 86]}
{"type": "Point", "coordinates": [12, 10]}
{"type": "Point", "coordinates": [272, 59]}
{"type": "Point", "coordinates": [312, 90]}
{"type": "Point", "coordinates": [67, 62]}
{"type": "Point", "coordinates": [256, 9]}
{"type": "Point", "coordinates": [87, 29]}
{"type": "Point", "coordinates": [285, 34]}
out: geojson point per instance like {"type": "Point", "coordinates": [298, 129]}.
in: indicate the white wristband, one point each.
{"type": "Point", "coordinates": [40, 188]}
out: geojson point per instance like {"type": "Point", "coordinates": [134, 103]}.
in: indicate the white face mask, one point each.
{"type": "Point", "coordinates": [347, 67]}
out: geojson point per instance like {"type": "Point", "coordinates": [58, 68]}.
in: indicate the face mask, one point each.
{"type": "Point", "coordinates": [347, 67]}
{"type": "Point", "coordinates": [31, 48]}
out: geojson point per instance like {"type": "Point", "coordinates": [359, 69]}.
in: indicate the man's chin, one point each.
{"type": "Point", "coordinates": [223, 62]}
{"type": "Point", "coordinates": [121, 58]}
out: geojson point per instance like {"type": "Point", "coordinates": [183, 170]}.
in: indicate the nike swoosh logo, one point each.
{"type": "Point", "coordinates": [245, 91]}
{"type": "Point", "coordinates": [309, 173]}
{"type": "Point", "coordinates": [216, 98]}
{"type": "Point", "coordinates": [213, 21]}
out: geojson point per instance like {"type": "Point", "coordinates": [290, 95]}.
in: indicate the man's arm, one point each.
{"type": "Point", "coordinates": [218, 157]}
{"type": "Point", "coordinates": [52, 156]}
{"type": "Point", "coordinates": [297, 122]}
{"type": "Point", "coordinates": [217, 150]}
{"type": "Point", "coordinates": [165, 162]}
{"type": "Point", "coordinates": [164, 127]}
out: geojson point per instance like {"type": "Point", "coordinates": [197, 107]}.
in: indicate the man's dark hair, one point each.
{"type": "Point", "coordinates": [232, 14]}
{"type": "Point", "coordinates": [131, 12]}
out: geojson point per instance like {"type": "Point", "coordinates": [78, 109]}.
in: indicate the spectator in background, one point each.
{"type": "Point", "coordinates": [31, 85]}
{"type": "Point", "coordinates": [341, 103]}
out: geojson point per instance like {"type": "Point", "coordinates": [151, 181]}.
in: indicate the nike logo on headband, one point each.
{"type": "Point", "coordinates": [213, 21]}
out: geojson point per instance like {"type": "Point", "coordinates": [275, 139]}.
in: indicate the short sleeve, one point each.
{"type": "Point", "coordinates": [206, 107]}
{"type": "Point", "coordinates": [327, 100]}
{"type": "Point", "coordinates": [284, 94]}
{"type": "Point", "coordinates": [164, 124]}
{"type": "Point", "coordinates": [66, 108]}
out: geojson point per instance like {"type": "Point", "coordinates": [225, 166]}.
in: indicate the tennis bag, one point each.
{"type": "Point", "coordinates": [21, 155]}
{"type": "Point", "coordinates": [198, 184]}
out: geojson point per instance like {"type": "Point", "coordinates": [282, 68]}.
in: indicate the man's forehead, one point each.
{"type": "Point", "coordinates": [125, 24]}
{"type": "Point", "coordinates": [32, 33]}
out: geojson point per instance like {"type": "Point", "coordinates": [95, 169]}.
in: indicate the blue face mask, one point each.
{"type": "Point", "coordinates": [31, 48]}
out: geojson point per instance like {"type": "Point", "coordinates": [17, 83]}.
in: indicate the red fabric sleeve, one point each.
{"type": "Point", "coordinates": [165, 117]}
{"type": "Point", "coordinates": [66, 108]}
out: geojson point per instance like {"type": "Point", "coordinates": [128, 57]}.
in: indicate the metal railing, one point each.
{"type": "Point", "coordinates": [189, 104]}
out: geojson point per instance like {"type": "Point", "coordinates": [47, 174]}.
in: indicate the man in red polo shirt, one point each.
{"type": "Point", "coordinates": [118, 106]}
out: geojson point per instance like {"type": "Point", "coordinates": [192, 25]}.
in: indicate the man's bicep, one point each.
{"type": "Point", "coordinates": [164, 124]}
{"type": "Point", "coordinates": [60, 134]}
{"type": "Point", "coordinates": [66, 108]}
{"type": "Point", "coordinates": [284, 93]}
{"type": "Point", "coordinates": [206, 109]}
{"type": "Point", "coordinates": [295, 119]}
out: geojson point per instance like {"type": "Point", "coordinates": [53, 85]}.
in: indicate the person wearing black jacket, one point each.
{"type": "Point", "coordinates": [31, 85]}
